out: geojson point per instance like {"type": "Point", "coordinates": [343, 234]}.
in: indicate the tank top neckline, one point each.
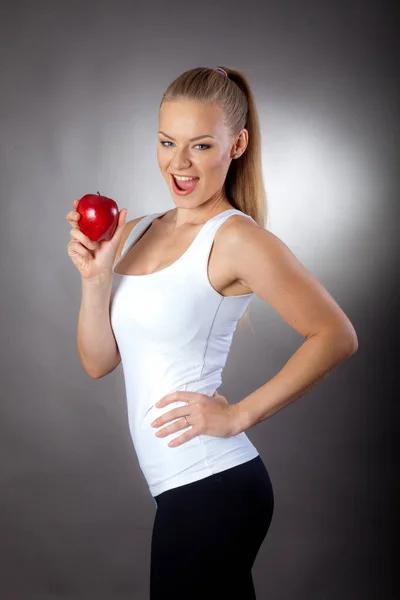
{"type": "Point", "coordinates": [150, 218]}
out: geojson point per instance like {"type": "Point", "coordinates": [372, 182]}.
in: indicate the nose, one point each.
{"type": "Point", "coordinates": [180, 161]}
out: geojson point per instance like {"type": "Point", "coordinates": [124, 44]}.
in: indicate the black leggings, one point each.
{"type": "Point", "coordinates": [206, 535]}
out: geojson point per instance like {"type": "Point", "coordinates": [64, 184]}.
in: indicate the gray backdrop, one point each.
{"type": "Point", "coordinates": [81, 84]}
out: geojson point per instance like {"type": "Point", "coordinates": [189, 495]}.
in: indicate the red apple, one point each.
{"type": "Point", "coordinates": [99, 217]}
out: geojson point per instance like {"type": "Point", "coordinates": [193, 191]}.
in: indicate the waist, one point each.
{"type": "Point", "coordinates": [164, 467]}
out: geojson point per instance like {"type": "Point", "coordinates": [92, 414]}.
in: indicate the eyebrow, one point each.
{"type": "Point", "coordinates": [199, 137]}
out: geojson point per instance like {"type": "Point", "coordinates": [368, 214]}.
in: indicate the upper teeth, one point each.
{"type": "Point", "coordinates": [179, 178]}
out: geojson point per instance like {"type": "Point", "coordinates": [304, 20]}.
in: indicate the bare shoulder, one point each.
{"type": "Point", "coordinates": [129, 225]}
{"type": "Point", "coordinates": [235, 230]}
{"type": "Point", "coordinates": [250, 244]}
{"type": "Point", "coordinates": [261, 261]}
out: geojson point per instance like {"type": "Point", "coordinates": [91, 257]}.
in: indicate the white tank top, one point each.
{"type": "Point", "coordinates": [174, 332]}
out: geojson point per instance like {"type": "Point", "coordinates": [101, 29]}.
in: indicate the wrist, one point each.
{"type": "Point", "coordinates": [101, 280]}
{"type": "Point", "coordinates": [239, 421]}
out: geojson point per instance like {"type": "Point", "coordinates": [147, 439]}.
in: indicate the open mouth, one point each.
{"type": "Point", "coordinates": [184, 188]}
{"type": "Point", "coordinates": [177, 183]}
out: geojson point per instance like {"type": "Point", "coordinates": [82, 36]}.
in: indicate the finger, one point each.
{"type": "Point", "coordinates": [82, 238]}
{"type": "Point", "coordinates": [121, 221]}
{"type": "Point", "coordinates": [182, 439]}
{"type": "Point", "coordinates": [75, 247]}
{"type": "Point", "coordinates": [73, 218]}
{"type": "Point", "coordinates": [173, 428]}
{"type": "Point", "coordinates": [122, 215]}
{"type": "Point", "coordinates": [171, 415]}
{"type": "Point", "coordinates": [180, 396]}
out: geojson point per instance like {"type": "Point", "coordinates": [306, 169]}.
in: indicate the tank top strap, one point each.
{"type": "Point", "coordinates": [201, 245]}
{"type": "Point", "coordinates": [137, 231]}
{"type": "Point", "coordinates": [212, 225]}
{"type": "Point", "coordinates": [218, 220]}
{"type": "Point", "coordinates": [205, 239]}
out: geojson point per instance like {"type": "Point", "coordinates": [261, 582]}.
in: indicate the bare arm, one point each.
{"type": "Point", "coordinates": [97, 347]}
{"type": "Point", "coordinates": [262, 262]}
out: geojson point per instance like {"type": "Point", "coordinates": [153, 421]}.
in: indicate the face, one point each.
{"type": "Point", "coordinates": [207, 158]}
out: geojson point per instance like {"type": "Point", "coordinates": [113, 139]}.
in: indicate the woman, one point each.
{"type": "Point", "coordinates": [184, 279]}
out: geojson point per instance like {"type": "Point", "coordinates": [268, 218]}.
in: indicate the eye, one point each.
{"type": "Point", "coordinates": [205, 146]}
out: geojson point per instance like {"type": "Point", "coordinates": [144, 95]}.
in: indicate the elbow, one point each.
{"type": "Point", "coordinates": [347, 340]}
{"type": "Point", "coordinates": [354, 344]}
{"type": "Point", "coordinates": [96, 376]}
{"type": "Point", "coordinates": [100, 371]}
{"type": "Point", "coordinates": [99, 375]}
{"type": "Point", "coordinates": [351, 341]}
{"type": "Point", "coordinates": [93, 375]}
{"type": "Point", "coordinates": [342, 340]}
{"type": "Point", "coordinates": [350, 347]}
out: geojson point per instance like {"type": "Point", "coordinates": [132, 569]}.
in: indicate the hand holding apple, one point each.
{"type": "Point", "coordinates": [94, 259]}
{"type": "Point", "coordinates": [99, 217]}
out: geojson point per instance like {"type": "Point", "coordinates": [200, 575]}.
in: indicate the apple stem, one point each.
{"type": "Point", "coordinates": [98, 193]}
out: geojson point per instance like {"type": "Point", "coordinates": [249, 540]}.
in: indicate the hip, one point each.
{"type": "Point", "coordinates": [248, 485]}
{"type": "Point", "coordinates": [187, 463]}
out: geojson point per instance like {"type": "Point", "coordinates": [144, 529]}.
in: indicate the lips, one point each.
{"type": "Point", "coordinates": [180, 192]}
{"type": "Point", "coordinates": [191, 176]}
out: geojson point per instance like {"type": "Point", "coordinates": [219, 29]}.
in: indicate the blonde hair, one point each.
{"type": "Point", "coordinates": [244, 185]}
